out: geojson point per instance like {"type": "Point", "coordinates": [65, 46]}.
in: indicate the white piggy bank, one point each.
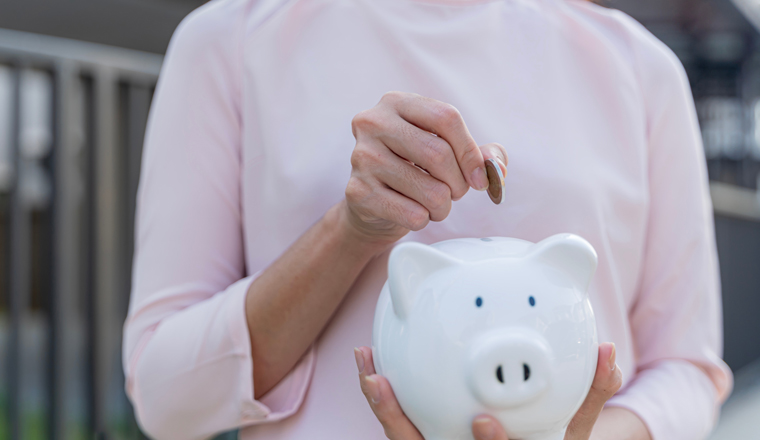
{"type": "Point", "coordinates": [494, 326]}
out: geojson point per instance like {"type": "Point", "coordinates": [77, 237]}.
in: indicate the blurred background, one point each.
{"type": "Point", "coordinates": [76, 82]}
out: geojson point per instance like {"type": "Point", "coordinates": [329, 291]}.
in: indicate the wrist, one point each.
{"type": "Point", "coordinates": [338, 221]}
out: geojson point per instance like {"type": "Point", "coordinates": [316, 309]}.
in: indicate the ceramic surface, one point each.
{"type": "Point", "coordinates": [494, 325]}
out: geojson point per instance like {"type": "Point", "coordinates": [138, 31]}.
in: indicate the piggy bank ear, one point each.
{"type": "Point", "coordinates": [409, 264]}
{"type": "Point", "coordinates": [570, 254]}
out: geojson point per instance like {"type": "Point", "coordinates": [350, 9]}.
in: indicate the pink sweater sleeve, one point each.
{"type": "Point", "coordinates": [187, 354]}
{"type": "Point", "coordinates": [676, 319]}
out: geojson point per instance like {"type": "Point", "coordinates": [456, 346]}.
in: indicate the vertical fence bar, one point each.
{"type": "Point", "coordinates": [107, 261]}
{"type": "Point", "coordinates": [88, 255]}
{"type": "Point", "coordinates": [35, 144]}
{"type": "Point", "coordinates": [6, 122]}
{"type": "Point", "coordinates": [14, 284]}
{"type": "Point", "coordinates": [67, 247]}
{"type": "Point", "coordinates": [6, 182]}
{"type": "Point", "coordinates": [19, 270]}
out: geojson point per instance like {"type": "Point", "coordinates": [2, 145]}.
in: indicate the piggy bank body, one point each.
{"type": "Point", "coordinates": [494, 326]}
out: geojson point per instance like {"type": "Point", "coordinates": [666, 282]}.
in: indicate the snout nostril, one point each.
{"type": "Point", "coordinates": [499, 374]}
{"type": "Point", "coordinates": [526, 372]}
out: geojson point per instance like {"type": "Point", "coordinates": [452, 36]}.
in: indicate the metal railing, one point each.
{"type": "Point", "coordinates": [72, 121]}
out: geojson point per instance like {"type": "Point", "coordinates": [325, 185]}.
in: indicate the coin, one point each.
{"type": "Point", "coordinates": [496, 189]}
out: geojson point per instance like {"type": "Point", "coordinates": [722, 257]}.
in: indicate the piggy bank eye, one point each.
{"type": "Point", "coordinates": [532, 301]}
{"type": "Point", "coordinates": [479, 301]}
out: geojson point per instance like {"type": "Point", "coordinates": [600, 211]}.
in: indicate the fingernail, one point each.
{"type": "Point", "coordinates": [359, 359]}
{"type": "Point", "coordinates": [483, 428]}
{"type": "Point", "coordinates": [611, 360]}
{"type": "Point", "coordinates": [479, 178]}
{"type": "Point", "coordinates": [373, 389]}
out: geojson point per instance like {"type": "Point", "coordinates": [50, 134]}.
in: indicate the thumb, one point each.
{"type": "Point", "coordinates": [498, 152]}
{"type": "Point", "coordinates": [607, 382]}
{"type": "Point", "coordinates": [487, 428]}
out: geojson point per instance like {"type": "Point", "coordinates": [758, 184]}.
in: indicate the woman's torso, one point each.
{"type": "Point", "coordinates": [551, 80]}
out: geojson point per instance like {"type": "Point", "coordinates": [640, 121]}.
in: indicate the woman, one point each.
{"type": "Point", "coordinates": [263, 224]}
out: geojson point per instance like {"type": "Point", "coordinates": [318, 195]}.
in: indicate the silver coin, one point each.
{"type": "Point", "coordinates": [496, 187]}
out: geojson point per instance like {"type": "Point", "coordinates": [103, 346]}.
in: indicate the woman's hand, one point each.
{"type": "Point", "coordinates": [403, 176]}
{"type": "Point", "coordinates": [397, 426]}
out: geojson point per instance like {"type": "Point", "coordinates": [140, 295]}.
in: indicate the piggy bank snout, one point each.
{"type": "Point", "coordinates": [509, 368]}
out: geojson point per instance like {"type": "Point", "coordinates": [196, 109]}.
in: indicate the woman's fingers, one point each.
{"type": "Point", "coordinates": [381, 399]}
{"type": "Point", "coordinates": [378, 206]}
{"type": "Point", "coordinates": [428, 151]}
{"type": "Point", "coordinates": [416, 184]}
{"type": "Point", "coordinates": [607, 382]}
{"type": "Point", "coordinates": [387, 410]}
{"type": "Point", "coordinates": [445, 121]}
{"type": "Point", "coordinates": [413, 157]}
{"type": "Point", "coordinates": [364, 361]}
{"type": "Point", "coordinates": [485, 427]}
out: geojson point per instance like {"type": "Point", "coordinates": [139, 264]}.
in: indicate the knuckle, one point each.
{"type": "Point", "coordinates": [435, 151]}
{"type": "Point", "coordinates": [356, 159]}
{"type": "Point", "coordinates": [392, 97]}
{"type": "Point", "coordinates": [470, 155]}
{"type": "Point", "coordinates": [361, 156]}
{"type": "Point", "coordinates": [366, 121]}
{"type": "Point", "coordinates": [617, 382]}
{"type": "Point", "coordinates": [440, 216]}
{"type": "Point", "coordinates": [611, 386]}
{"type": "Point", "coordinates": [448, 114]}
{"type": "Point", "coordinates": [439, 196]}
{"type": "Point", "coordinates": [459, 190]}
{"type": "Point", "coordinates": [356, 191]}
{"type": "Point", "coordinates": [418, 219]}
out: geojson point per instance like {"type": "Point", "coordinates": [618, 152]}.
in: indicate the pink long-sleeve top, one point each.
{"type": "Point", "coordinates": [249, 143]}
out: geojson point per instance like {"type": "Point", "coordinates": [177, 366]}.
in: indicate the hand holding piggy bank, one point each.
{"type": "Point", "coordinates": [496, 326]}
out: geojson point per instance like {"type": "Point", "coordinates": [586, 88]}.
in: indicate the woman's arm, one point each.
{"type": "Point", "coordinates": [289, 304]}
{"type": "Point", "coordinates": [185, 346]}
{"type": "Point", "coordinates": [619, 424]}
{"type": "Point", "coordinates": [675, 318]}
{"type": "Point", "coordinates": [291, 301]}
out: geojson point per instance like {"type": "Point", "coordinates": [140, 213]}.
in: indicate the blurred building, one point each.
{"type": "Point", "coordinates": [76, 80]}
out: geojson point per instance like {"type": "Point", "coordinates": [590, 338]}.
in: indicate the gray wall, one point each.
{"type": "Point", "coordinates": [136, 24]}
{"type": "Point", "coordinates": [148, 24]}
